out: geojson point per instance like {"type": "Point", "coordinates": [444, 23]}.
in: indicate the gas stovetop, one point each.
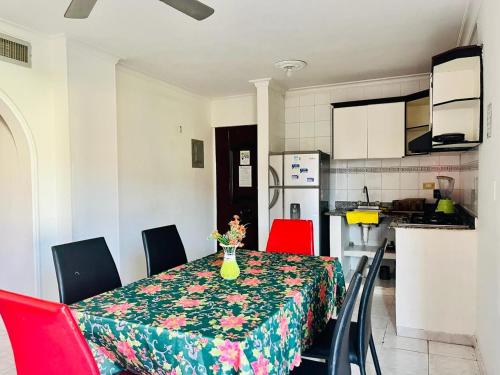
{"type": "Point", "coordinates": [436, 219]}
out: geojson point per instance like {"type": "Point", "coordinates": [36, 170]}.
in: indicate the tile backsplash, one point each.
{"type": "Point", "coordinates": [309, 127]}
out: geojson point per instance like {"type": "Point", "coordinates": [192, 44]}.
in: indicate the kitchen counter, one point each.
{"type": "Point", "coordinates": [400, 219]}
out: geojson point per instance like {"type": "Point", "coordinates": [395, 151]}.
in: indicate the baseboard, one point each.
{"type": "Point", "coordinates": [449, 338]}
{"type": "Point", "coordinates": [479, 358]}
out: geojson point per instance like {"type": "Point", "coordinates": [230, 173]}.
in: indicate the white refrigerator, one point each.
{"type": "Point", "coordinates": [299, 186]}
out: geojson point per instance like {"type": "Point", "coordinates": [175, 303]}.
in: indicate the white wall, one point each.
{"type": "Point", "coordinates": [157, 185]}
{"type": "Point", "coordinates": [35, 93]}
{"type": "Point", "coordinates": [488, 301]}
{"type": "Point", "coordinates": [276, 119]}
{"type": "Point", "coordinates": [94, 148]}
{"type": "Point", "coordinates": [234, 110]}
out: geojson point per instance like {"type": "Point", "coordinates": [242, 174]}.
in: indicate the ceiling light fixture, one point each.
{"type": "Point", "coordinates": [290, 66]}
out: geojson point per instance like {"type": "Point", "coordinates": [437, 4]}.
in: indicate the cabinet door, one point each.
{"type": "Point", "coordinates": [386, 130]}
{"type": "Point", "coordinates": [349, 133]}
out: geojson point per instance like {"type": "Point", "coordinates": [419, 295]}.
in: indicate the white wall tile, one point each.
{"type": "Point", "coordinates": [427, 194]}
{"type": "Point", "coordinates": [323, 112]}
{"type": "Point", "coordinates": [339, 164]}
{"type": "Point", "coordinates": [409, 181]}
{"type": "Point", "coordinates": [428, 161]}
{"type": "Point", "coordinates": [323, 129]}
{"type": "Point", "coordinates": [355, 181]}
{"type": "Point", "coordinates": [292, 144]}
{"type": "Point", "coordinates": [306, 100]}
{"type": "Point", "coordinates": [322, 98]}
{"type": "Point", "coordinates": [306, 129]}
{"type": "Point", "coordinates": [375, 195]}
{"type": "Point", "coordinates": [341, 181]}
{"type": "Point", "coordinates": [389, 195]}
{"type": "Point", "coordinates": [292, 130]}
{"type": "Point", "coordinates": [374, 163]}
{"type": "Point", "coordinates": [307, 144]}
{"type": "Point", "coordinates": [355, 195]}
{"type": "Point", "coordinates": [291, 101]}
{"type": "Point", "coordinates": [449, 159]}
{"type": "Point", "coordinates": [391, 162]}
{"type": "Point", "coordinates": [341, 195]}
{"type": "Point", "coordinates": [373, 180]}
{"type": "Point", "coordinates": [390, 181]}
{"type": "Point", "coordinates": [323, 144]}
{"type": "Point", "coordinates": [356, 163]}
{"type": "Point", "coordinates": [410, 161]}
{"type": "Point", "coordinates": [292, 114]}
{"type": "Point", "coordinates": [403, 194]}
{"type": "Point", "coordinates": [307, 114]}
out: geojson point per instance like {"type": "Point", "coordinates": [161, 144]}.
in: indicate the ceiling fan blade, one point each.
{"type": "Point", "coordinates": [192, 8]}
{"type": "Point", "coordinates": [79, 9]}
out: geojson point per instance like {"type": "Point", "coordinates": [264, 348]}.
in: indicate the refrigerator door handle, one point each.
{"type": "Point", "coordinates": [276, 179]}
{"type": "Point", "coordinates": [276, 193]}
{"type": "Point", "coordinates": [275, 198]}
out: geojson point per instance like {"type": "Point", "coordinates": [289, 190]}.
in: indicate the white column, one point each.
{"type": "Point", "coordinates": [262, 86]}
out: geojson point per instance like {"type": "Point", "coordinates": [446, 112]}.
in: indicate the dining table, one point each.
{"type": "Point", "coordinates": [189, 320]}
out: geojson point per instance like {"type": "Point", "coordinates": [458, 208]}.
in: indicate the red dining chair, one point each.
{"type": "Point", "coordinates": [291, 236]}
{"type": "Point", "coordinates": [45, 337]}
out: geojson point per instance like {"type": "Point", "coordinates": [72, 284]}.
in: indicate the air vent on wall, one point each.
{"type": "Point", "coordinates": [15, 51]}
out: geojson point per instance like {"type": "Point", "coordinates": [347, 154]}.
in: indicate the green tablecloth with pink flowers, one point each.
{"type": "Point", "coordinates": [189, 320]}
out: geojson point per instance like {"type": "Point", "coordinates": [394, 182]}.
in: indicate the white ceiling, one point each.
{"type": "Point", "coordinates": [341, 40]}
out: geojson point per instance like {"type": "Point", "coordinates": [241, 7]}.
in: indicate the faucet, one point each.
{"type": "Point", "coordinates": [365, 191]}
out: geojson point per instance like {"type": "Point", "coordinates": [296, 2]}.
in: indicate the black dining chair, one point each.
{"type": "Point", "coordinates": [338, 362]}
{"type": "Point", "coordinates": [361, 331]}
{"type": "Point", "coordinates": [164, 249]}
{"type": "Point", "coordinates": [84, 269]}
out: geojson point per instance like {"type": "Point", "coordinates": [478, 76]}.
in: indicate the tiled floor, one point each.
{"type": "Point", "coordinates": [397, 355]}
{"type": "Point", "coordinates": [406, 356]}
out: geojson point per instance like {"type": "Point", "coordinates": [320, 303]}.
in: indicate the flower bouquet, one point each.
{"type": "Point", "coordinates": [230, 241]}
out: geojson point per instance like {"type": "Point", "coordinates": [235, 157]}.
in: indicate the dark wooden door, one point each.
{"type": "Point", "coordinates": [236, 194]}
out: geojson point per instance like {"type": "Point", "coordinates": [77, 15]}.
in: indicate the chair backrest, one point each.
{"type": "Point", "coordinates": [338, 361]}
{"type": "Point", "coordinates": [45, 337]}
{"type": "Point", "coordinates": [365, 305]}
{"type": "Point", "coordinates": [84, 269]}
{"type": "Point", "coordinates": [164, 249]}
{"type": "Point", "coordinates": [361, 265]}
{"type": "Point", "coordinates": [291, 236]}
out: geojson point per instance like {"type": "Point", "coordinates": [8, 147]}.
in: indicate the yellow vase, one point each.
{"type": "Point", "coordinates": [229, 269]}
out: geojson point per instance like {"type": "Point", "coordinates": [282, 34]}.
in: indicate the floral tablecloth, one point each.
{"type": "Point", "coordinates": [191, 321]}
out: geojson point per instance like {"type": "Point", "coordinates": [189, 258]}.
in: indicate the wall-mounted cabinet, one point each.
{"type": "Point", "coordinates": [457, 98]}
{"type": "Point", "coordinates": [371, 129]}
{"type": "Point", "coordinates": [418, 116]}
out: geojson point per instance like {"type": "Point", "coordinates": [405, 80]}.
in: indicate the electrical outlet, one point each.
{"type": "Point", "coordinates": [429, 185]}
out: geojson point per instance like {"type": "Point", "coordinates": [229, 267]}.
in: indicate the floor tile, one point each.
{"type": "Point", "coordinates": [451, 350]}
{"type": "Point", "coordinates": [441, 365]}
{"type": "Point", "coordinates": [403, 362]}
{"type": "Point", "coordinates": [405, 343]}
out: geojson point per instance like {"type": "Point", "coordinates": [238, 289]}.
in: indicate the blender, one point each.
{"type": "Point", "coordinates": [445, 203]}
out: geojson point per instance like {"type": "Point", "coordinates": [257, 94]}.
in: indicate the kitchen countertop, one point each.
{"type": "Point", "coordinates": [398, 219]}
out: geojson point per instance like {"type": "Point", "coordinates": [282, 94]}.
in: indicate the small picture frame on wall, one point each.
{"type": "Point", "coordinates": [197, 154]}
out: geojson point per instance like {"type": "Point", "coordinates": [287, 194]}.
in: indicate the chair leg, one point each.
{"type": "Point", "coordinates": [374, 356]}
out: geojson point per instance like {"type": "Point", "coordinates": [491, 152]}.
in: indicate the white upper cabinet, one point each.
{"type": "Point", "coordinates": [350, 133]}
{"type": "Point", "coordinates": [369, 131]}
{"type": "Point", "coordinates": [386, 130]}
{"type": "Point", "coordinates": [457, 79]}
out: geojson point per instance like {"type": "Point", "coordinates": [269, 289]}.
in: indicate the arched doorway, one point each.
{"type": "Point", "coordinates": [18, 269]}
